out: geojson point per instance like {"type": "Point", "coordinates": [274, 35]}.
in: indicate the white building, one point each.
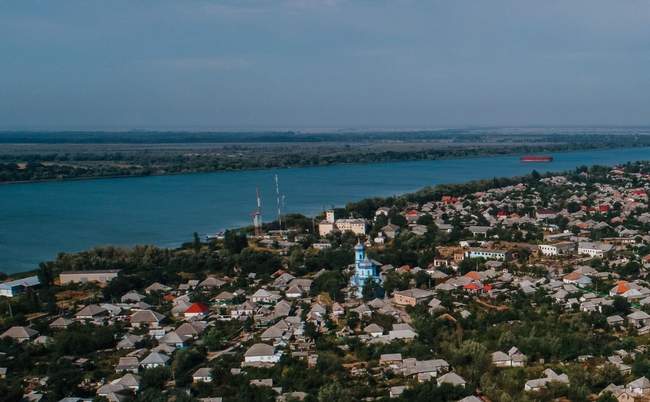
{"type": "Point", "coordinates": [487, 254]}
{"type": "Point", "coordinates": [594, 249]}
{"type": "Point", "coordinates": [262, 353]}
{"type": "Point", "coordinates": [12, 288]}
{"type": "Point", "coordinates": [331, 224]}
{"type": "Point", "coordinates": [557, 249]}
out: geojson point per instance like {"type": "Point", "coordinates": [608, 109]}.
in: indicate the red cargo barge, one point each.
{"type": "Point", "coordinates": [536, 158]}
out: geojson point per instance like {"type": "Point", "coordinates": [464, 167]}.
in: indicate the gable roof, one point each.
{"type": "Point", "coordinates": [144, 316]}
{"type": "Point", "coordinates": [19, 333]}
{"type": "Point", "coordinates": [197, 308]}
{"type": "Point", "coordinates": [155, 358]}
{"type": "Point", "coordinates": [260, 349]}
{"type": "Point", "coordinates": [91, 310]}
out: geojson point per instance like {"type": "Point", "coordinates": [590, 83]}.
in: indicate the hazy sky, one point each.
{"type": "Point", "coordinates": [301, 63]}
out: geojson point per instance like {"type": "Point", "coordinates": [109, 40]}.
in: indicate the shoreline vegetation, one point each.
{"type": "Point", "coordinates": [42, 157]}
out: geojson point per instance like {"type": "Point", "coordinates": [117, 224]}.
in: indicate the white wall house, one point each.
{"type": "Point", "coordinates": [594, 249]}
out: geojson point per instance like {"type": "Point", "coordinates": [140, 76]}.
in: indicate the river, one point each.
{"type": "Point", "coordinates": [38, 220]}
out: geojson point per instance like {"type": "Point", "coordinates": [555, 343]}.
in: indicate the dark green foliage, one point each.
{"type": "Point", "coordinates": [234, 241]}
{"type": "Point", "coordinates": [155, 378]}
{"type": "Point", "coordinates": [80, 339]}
{"type": "Point", "coordinates": [330, 282]}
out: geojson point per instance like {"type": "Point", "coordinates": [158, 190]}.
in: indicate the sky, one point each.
{"type": "Point", "coordinates": [244, 64]}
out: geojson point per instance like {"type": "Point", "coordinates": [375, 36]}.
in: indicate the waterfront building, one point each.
{"type": "Point", "coordinates": [99, 276]}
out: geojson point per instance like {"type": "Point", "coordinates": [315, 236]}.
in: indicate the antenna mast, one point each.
{"type": "Point", "coordinates": [277, 193]}
{"type": "Point", "coordinates": [257, 214]}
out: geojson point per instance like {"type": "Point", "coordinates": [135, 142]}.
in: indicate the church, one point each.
{"type": "Point", "coordinates": [364, 269]}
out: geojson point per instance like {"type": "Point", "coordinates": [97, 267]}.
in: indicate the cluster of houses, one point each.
{"type": "Point", "coordinates": [560, 237]}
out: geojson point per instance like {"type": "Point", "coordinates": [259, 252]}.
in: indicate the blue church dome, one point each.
{"type": "Point", "coordinates": [364, 270]}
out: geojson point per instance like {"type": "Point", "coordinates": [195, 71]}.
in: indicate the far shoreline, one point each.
{"type": "Point", "coordinates": [486, 155]}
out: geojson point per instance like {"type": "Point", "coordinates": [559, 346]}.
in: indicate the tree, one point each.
{"type": "Point", "coordinates": [621, 305]}
{"type": "Point", "coordinates": [334, 392]}
{"type": "Point", "coordinates": [196, 243]}
{"type": "Point", "coordinates": [234, 242]}
{"type": "Point", "coordinates": [46, 274]}
{"type": "Point", "coordinates": [155, 378]}
{"type": "Point", "coordinates": [184, 360]}
{"type": "Point", "coordinates": [371, 290]}
{"type": "Point", "coordinates": [330, 282]}
{"type": "Point", "coordinates": [607, 397]}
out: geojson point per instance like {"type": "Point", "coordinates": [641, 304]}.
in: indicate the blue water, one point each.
{"type": "Point", "coordinates": [39, 220]}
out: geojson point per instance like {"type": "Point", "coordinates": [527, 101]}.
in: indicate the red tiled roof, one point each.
{"type": "Point", "coordinates": [473, 275]}
{"type": "Point", "coordinates": [622, 287]}
{"type": "Point", "coordinates": [197, 308]}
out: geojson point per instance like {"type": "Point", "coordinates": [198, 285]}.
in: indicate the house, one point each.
{"type": "Point", "coordinates": [594, 249]}
{"type": "Point", "coordinates": [19, 334]}
{"type": "Point", "coordinates": [391, 230]}
{"type": "Point", "coordinates": [419, 230]}
{"type": "Point", "coordinates": [282, 281]}
{"type": "Point", "coordinates": [402, 331]}
{"type": "Point", "coordinates": [262, 353]}
{"type": "Point", "coordinates": [130, 381]}
{"type": "Point", "coordinates": [211, 282]}
{"type": "Point", "coordinates": [479, 230]}
{"type": "Point", "coordinates": [615, 321]}
{"type": "Point", "coordinates": [128, 363]}
{"type": "Point", "coordinates": [550, 376]}
{"type": "Point", "coordinates": [224, 297]}
{"type": "Point", "coordinates": [396, 391]}
{"type": "Point", "coordinates": [15, 287]}
{"type": "Point", "coordinates": [191, 329]}
{"type": "Point", "coordinates": [276, 332]}
{"type": "Point", "coordinates": [621, 288]}
{"type": "Point", "coordinates": [148, 318]}
{"type": "Point", "coordinates": [132, 297]}
{"type": "Point", "coordinates": [204, 374]}
{"type": "Point", "coordinates": [561, 248]}
{"type": "Point", "coordinates": [453, 379]}
{"type": "Point", "coordinates": [392, 360]}
{"type": "Point", "coordinates": [264, 296]}
{"type": "Point", "coordinates": [61, 323]}
{"type": "Point", "coordinates": [196, 310]}
{"type": "Point", "coordinates": [638, 319]}
{"type": "Point", "coordinates": [639, 387]}
{"type": "Point", "coordinates": [514, 358]}
{"type": "Point", "coordinates": [435, 305]}
{"type": "Point", "coordinates": [157, 287]}
{"type": "Point", "coordinates": [154, 359]}
{"type": "Point", "coordinates": [488, 254]}
{"type": "Point", "coordinates": [91, 312]}
{"type": "Point", "coordinates": [373, 330]}
{"type": "Point", "coordinates": [101, 277]}
{"type": "Point", "coordinates": [173, 339]}
{"type": "Point", "coordinates": [577, 278]}
{"type": "Point", "coordinates": [129, 341]}
{"type": "Point", "coordinates": [382, 211]}
{"type": "Point", "coordinates": [294, 292]}
{"type": "Point", "coordinates": [411, 297]}
{"type": "Point", "coordinates": [246, 309]}
{"type": "Point", "coordinates": [424, 370]}
{"type": "Point", "coordinates": [471, 398]}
